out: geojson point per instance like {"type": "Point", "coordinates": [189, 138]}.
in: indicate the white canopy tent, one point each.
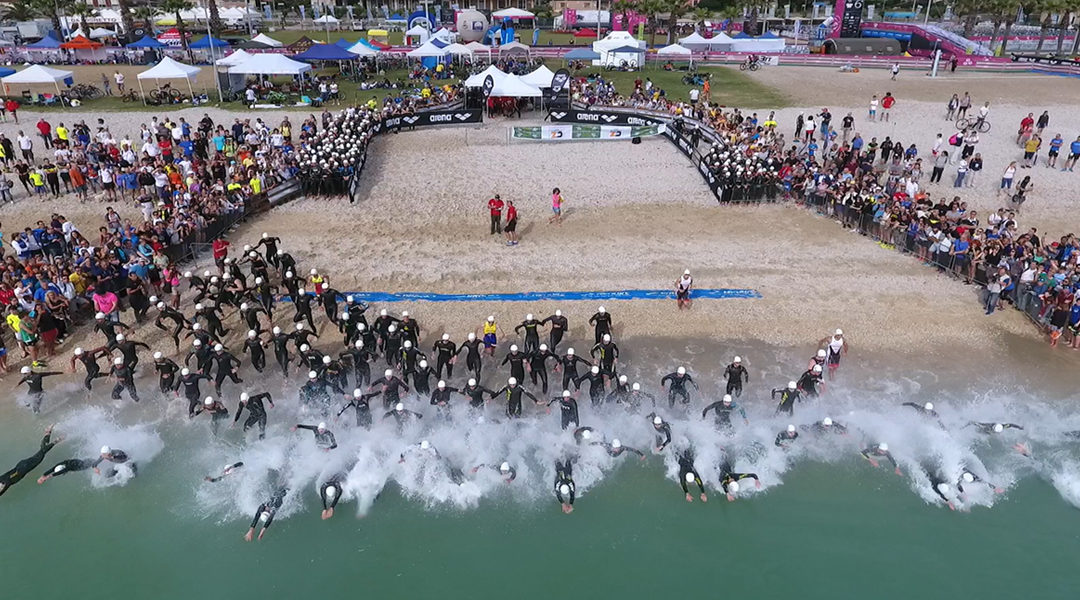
{"type": "Point", "coordinates": [721, 42]}
{"type": "Point", "coordinates": [270, 64]}
{"type": "Point", "coordinates": [235, 58]}
{"type": "Point", "coordinates": [326, 19]}
{"type": "Point", "coordinates": [262, 38]}
{"type": "Point", "coordinates": [38, 74]}
{"type": "Point", "coordinates": [427, 50]}
{"type": "Point", "coordinates": [445, 35]}
{"type": "Point", "coordinates": [695, 41]}
{"type": "Point", "coordinates": [98, 33]}
{"type": "Point", "coordinates": [514, 47]}
{"type": "Point", "coordinates": [512, 86]}
{"type": "Point", "coordinates": [76, 33]}
{"type": "Point", "coordinates": [418, 32]}
{"type": "Point", "coordinates": [512, 13]}
{"type": "Point", "coordinates": [459, 50]}
{"type": "Point", "coordinates": [541, 77]}
{"type": "Point", "coordinates": [758, 45]}
{"type": "Point", "coordinates": [478, 47]}
{"type": "Point", "coordinates": [169, 69]}
{"type": "Point", "coordinates": [674, 50]}
{"type": "Point", "coordinates": [361, 49]}
{"type": "Point", "coordinates": [478, 79]}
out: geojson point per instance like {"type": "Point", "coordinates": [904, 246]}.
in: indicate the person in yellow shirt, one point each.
{"type": "Point", "coordinates": [372, 104]}
{"type": "Point", "coordinates": [62, 132]}
{"type": "Point", "coordinates": [38, 181]}
{"type": "Point", "coordinates": [1031, 147]}
{"type": "Point", "coordinates": [490, 331]}
{"type": "Point", "coordinates": [78, 282]}
{"type": "Point", "coordinates": [256, 185]}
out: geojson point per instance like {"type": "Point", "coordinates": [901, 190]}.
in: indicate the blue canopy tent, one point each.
{"type": "Point", "coordinates": [741, 36]}
{"type": "Point", "coordinates": [438, 43]}
{"type": "Point", "coordinates": [208, 42]}
{"type": "Point", "coordinates": [768, 35]}
{"type": "Point", "coordinates": [46, 42]}
{"type": "Point", "coordinates": [344, 43]}
{"type": "Point", "coordinates": [147, 42]}
{"type": "Point", "coordinates": [325, 52]}
{"type": "Point", "coordinates": [581, 54]}
{"type": "Point", "coordinates": [4, 71]}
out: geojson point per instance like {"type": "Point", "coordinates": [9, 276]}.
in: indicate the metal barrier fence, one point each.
{"type": "Point", "coordinates": [1021, 296]}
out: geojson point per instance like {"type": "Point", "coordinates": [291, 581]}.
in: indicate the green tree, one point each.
{"type": "Point", "coordinates": [126, 19]}
{"type": "Point", "coordinates": [623, 8]}
{"type": "Point", "coordinates": [651, 9]}
{"type": "Point", "coordinates": [542, 10]}
{"type": "Point", "coordinates": [700, 16]}
{"type": "Point", "coordinates": [51, 9]}
{"type": "Point", "coordinates": [1063, 25]}
{"type": "Point", "coordinates": [674, 10]}
{"type": "Point", "coordinates": [215, 18]}
{"type": "Point", "coordinates": [175, 7]}
{"type": "Point", "coordinates": [968, 11]}
{"type": "Point", "coordinates": [146, 15]}
{"type": "Point", "coordinates": [17, 11]}
{"type": "Point", "coordinates": [82, 10]}
{"type": "Point", "coordinates": [752, 9]}
{"type": "Point", "coordinates": [1010, 9]}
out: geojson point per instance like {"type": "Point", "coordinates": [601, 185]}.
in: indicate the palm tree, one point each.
{"type": "Point", "coordinates": [215, 17]}
{"type": "Point", "coordinates": [700, 16]}
{"type": "Point", "coordinates": [126, 20]}
{"type": "Point", "coordinates": [674, 10]}
{"type": "Point", "coordinates": [175, 7]}
{"type": "Point", "coordinates": [1011, 9]}
{"type": "Point", "coordinates": [651, 9]}
{"type": "Point", "coordinates": [82, 10]}
{"type": "Point", "coordinates": [753, 8]}
{"type": "Point", "coordinates": [51, 9]}
{"type": "Point", "coordinates": [17, 11]}
{"type": "Point", "coordinates": [1063, 26]}
{"type": "Point", "coordinates": [145, 14]}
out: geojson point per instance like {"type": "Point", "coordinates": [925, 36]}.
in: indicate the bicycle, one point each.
{"type": "Point", "coordinates": [83, 91]}
{"type": "Point", "coordinates": [749, 66]}
{"type": "Point", "coordinates": [977, 123]}
{"type": "Point", "coordinates": [130, 96]}
{"type": "Point", "coordinates": [165, 94]}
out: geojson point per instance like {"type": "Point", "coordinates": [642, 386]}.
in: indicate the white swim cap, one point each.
{"type": "Point", "coordinates": [690, 477]}
{"type": "Point", "coordinates": [423, 363]}
{"type": "Point", "coordinates": [686, 272]}
{"type": "Point", "coordinates": [312, 374]}
{"type": "Point", "coordinates": [408, 344]}
{"type": "Point", "coordinates": [299, 326]}
{"type": "Point", "coordinates": [883, 447]}
{"type": "Point", "coordinates": [622, 378]}
{"type": "Point", "coordinates": [601, 310]}
{"type": "Point", "coordinates": [304, 347]}
{"type": "Point", "coordinates": [817, 369]}
{"type": "Point", "coordinates": [187, 274]}
{"type": "Point", "coordinates": [529, 317]}
{"type": "Point", "coordinates": [289, 274]}
{"type": "Point", "coordinates": [681, 370]}
{"type": "Point", "coordinates": [252, 334]}
{"type": "Point", "coordinates": [58, 469]}
{"type": "Point", "coordinates": [732, 487]}
{"type": "Point", "coordinates": [264, 235]}
{"type": "Point", "coordinates": [512, 381]}
{"type": "Point", "coordinates": [199, 306]}
{"type": "Point", "coordinates": [258, 280]}
{"type": "Point", "coordinates": [566, 393]}
{"type": "Point", "coordinates": [543, 347]}
{"type": "Point", "coordinates": [106, 450]}
{"type": "Point", "coordinates": [839, 332]}
{"type": "Point", "coordinates": [564, 489]}
{"type": "Point", "coordinates": [513, 348]}
{"type": "Point", "coordinates": [657, 420]}
{"type": "Point", "coordinates": [569, 351]}
{"type": "Point", "coordinates": [821, 353]}
{"type": "Point", "coordinates": [153, 299]}
{"type": "Point", "coordinates": [331, 491]}
{"type": "Point", "coordinates": [399, 407]}
{"type": "Point", "coordinates": [25, 370]}
{"type": "Point", "coordinates": [321, 426]}
{"type": "Point", "coordinates": [607, 337]}
{"type": "Point", "coordinates": [404, 313]}
{"type": "Point", "coordinates": [587, 434]}
{"type": "Point", "coordinates": [737, 359]}
{"type": "Point", "coordinates": [208, 401]}
{"type": "Point", "coordinates": [472, 336]}
{"type": "Point", "coordinates": [791, 429]}
{"type": "Point", "coordinates": [243, 306]}
{"type": "Point", "coordinates": [441, 384]}
{"type": "Point", "coordinates": [636, 387]}
{"type": "Point", "coordinates": [424, 445]}
{"type": "Point", "coordinates": [792, 385]}
{"type": "Point", "coordinates": [326, 360]}
{"type": "Point", "coordinates": [392, 328]}
{"type": "Point", "coordinates": [968, 477]}
{"type": "Point", "coordinates": [264, 516]}
{"type": "Point", "coordinates": [558, 313]}
{"type": "Point", "coordinates": [99, 315]}
{"type": "Point", "coordinates": [119, 337]}
{"type": "Point", "coordinates": [472, 382]}
{"type": "Point", "coordinates": [357, 393]}
{"type": "Point", "coordinates": [218, 347]}
{"type": "Point", "coordinates": [244, 396]}
{"type": "Point", "coordinates": [161, 305]}
{"type": "Point", "coordinates": [358, 344]}
{"type": "Point", "coordinates": [505, 467]}
{"type": "Point", "coordinates": [445, 336]}
{"type": "Point", "coordinates": [314, 271]}
{"type": "Point", "coordinates": [998, 428]}
{"type": "Point", "coordinates": [928, 406]}
{"type": "Point", "coordinates": [595, 370]}
{"type": "Point", "coordinates": [382, 313]}
{"type": "Point", "coordinates": [944, 488]}
{"type": "Point", "coordinates": [185, 372]}
{"type": "Point", "coordinates": [491, 319]}
{"type": "Point", "coordinates": [826, 422]}
{"type": "Point", "coordinates": [615, 443]}
{"type": "Point", "coordinates": [79, 351]}
{"type": "Point", "coordinates": [277, 330]}
{"type": "Point", "coordinates": [388, 373]}
{"type": "Point", "coordinates": [157, 355]}
{"type": "Point", "coordinates": [252, 254]}
{"type": "Point", "coordinates": [118, 361]}
{"type": "Point", "coordinates": [301, 291]}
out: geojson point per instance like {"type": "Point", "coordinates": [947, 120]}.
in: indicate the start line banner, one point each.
{"type": "Point", "coordinates": [562, 133]}
{"type": "Point", "coordinates": [425, 119]}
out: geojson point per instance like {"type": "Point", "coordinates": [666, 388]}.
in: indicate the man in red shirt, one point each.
{"type": "Point", "coordinates": [45, 130]}
{"type": "Point", "coordinates": [221, 250]}
{"type": "Point", "coordinates": [886, 105]}
{"type": "Point", "coordinates": [511, 224]}
{"type": "Point", "coordinates": [495, 205]}
{"type": "Point", "coordinates": [12, 107]}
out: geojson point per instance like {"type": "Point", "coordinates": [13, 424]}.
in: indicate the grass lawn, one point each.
{"type": "Point", "coordinates": [547, 37]}
{"type": "Point", "coordinates": [730, 87]}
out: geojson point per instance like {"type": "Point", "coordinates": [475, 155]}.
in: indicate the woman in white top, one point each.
{"type": "Point", "coordinates": [1007, 177]}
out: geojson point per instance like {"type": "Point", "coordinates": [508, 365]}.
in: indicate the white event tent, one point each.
{"type": "Point", "coordinates": [169, 69]}
{"type": "Point", "coordinates": [541, 77]}
{"type": "Point", "coordinates": [38, 74]}
{"type": "Point", "coordinates": [478, 79]}
{"type": "Point", "coordinates": [427, 50]}
{"type": "Point", "coordinates": [262, 38]}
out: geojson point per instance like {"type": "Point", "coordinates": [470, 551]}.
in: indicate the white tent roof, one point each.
{"type": "Point", "coordinates": [262, 38]}
{"type": "Point", "coordinates": [417, 30]}
{"type": "Point", "coordinates": [362, 49]}
{"type": "Point", "coordinates": [327, 19]}
{"type": "Point", "coordinates": [478, 79]}
{"type": "Point", "coordinates": [674, 49]}
{"type": "Point", "coordinates": [425, 50]}
{"type": "Point", "coordinates": [445, 35]}
{"type": "Point", "coordinates": [458, 49]}
{"type": "Point", "coordinates": [237, 13]}
{"type": "Point", "coordinates": [100, 32]}
{"type": "Point", "coordinates": [541, 77]}
{"type": "Point", "coordinates": [237, 57]}
{"type": "Point", "coordinates": [721, 38]}
{"type": "Point", "coordinates": [76, 33]}
{"type": "Point", "coordinates": [170, 69]}
{"type": "Point", "coordinates": [513, 86]}
{"type": "Point", "coordinates": [617, 39]}
{"type": "Point", "coordinates": [693, 38]}
{"type": "Point", "coordinates": [513, 46]}
{"type": "Point", "coordinates": [478, 47]}
{"type": "Point", "coordinates": [37, 74]}
{"type": "Point", "coordinates": [511, 13]}
{"type": "Point", "coordinates": [270, 64]}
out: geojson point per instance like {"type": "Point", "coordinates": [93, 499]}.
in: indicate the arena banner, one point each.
{"type": "Point", "coordinates": [461, 116]}
{"type": "Point", "coordinates": [604, 117]}
{"type": "Point", "coordinates": [1044, 60]}
{"type": "Point", "coordinates": [556, 133]}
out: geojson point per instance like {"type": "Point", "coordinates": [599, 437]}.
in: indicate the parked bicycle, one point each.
{"type": "Point", "coordinates": [131, 96]}
{"type": "Point", "coordinates": [977, 123]}
{"type": "Point", "coordinates": [165, 94]}
{"type": "Point", "coordinates": [83, 91]}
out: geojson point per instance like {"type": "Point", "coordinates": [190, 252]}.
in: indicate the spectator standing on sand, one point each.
{"type": "Point", "coordinates": [886, 105]}
{"type": "Point", "coordinates": [511, 224]}
{"type": "Point", "coordinates": [495, 206]}
{"type": "Point", "coordinates": [556, 207]}
{"type": "Point", "coordinates": [895, 70]}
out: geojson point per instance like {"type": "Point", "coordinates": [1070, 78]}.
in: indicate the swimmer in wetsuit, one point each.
{"type": "Point", "coordinates": [565, 490]}
{"type": "Point", "coordinates": [729, 479]}
{"type": "Point", "coordinates": [361, 402]}
{"type": "Point", "coordinates": [89, 361]}
{"type": "Point", "coordinates": [568, 409]}
{"type": "Point", "coordinates": [872, 453]}
{"type": "Point", "coordinates": [34, 386]}
{"type": "Point", "coordinates": [923, 409]}
{"type": "Point", "coordinates": [559, 326]}
{"type": "Point", "coordinates": [24, 466]}
{"type": "Point", "coordinates": [688, 474]}
{"type": "Point", "coordinates": [663, 431]}
{"type": "Point", "coordinates": [677, 389]}
{"type": "Point", "coordinates": [324, 438]}
{"type": "Point", "coordinates": [784, 438]}
{"type": "Point", "coordinates": [265, 513]}
{"type": "Point", "coordinates": [71, 465]}
{"type": "Point", "coordinates": [330, 493]}
{"type": "Point", "coordinates": [508, 472]}
{"type": "Point", "coordinates": [532, 334]}
{"type": "Point", "coordinates": [723, 409]}
{"type": "Point", "coordinates": [736, 375]}
{"type": "Point", "coordinates": [968, 477]}
{"type": "Point", "coordinates": [991, 428]}
{"type": "Point", "coordinates": [228, 470]}
{"type": "Point", "coordinates": [787, 397]}
{"type": "Point", "coordinates": [615, 449]}
{"type": "Point", "coordinates": [601, 322]}
{"type": "Point", "coordinates": [256, 411]}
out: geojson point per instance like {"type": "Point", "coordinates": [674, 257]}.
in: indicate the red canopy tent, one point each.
{"type": "Point", "coordinates": [378, 44]}
{"type": "Point", "coordinates": [582, 33]}
{"type": "Point", "coordinates": [81, 42]}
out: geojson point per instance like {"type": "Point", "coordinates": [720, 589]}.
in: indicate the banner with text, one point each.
{"type": "Point", "coordinates": [437, 117]}
{"type": "Point", "coordinates": [604, 117]}
{"type": "Point", "coordinates": [555, 133]}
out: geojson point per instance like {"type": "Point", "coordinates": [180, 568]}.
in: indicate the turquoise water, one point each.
{"type": "Point", "coordinates": [825, 525]}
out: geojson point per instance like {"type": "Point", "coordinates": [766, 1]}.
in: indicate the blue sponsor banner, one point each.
{"type": "Point", "coordinates": [697, 294]}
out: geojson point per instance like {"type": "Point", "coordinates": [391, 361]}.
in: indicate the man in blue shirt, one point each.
{"type": "Point", "coordinates": [1055, 148]}
{"type": "Point", "coordinates": [1074, 154]}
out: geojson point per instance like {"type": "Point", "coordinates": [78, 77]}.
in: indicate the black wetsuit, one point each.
{"type": "Point", "coordinates": [784, 437]}
{"type": "Point", "coordinates": [392, 393]}
{"type": "Point", "coordinates": [617, 452]}
{"type": "Point", "coordinates": [678, 386]}
{"type": "Point", "coordinates": [513, 399]}
{"type": "Point", "coordinates": [686, 465]}
{"type": "Point", "coordinates": [532, 334]}
{"type": "Point", "coordinates": [609, 353]}
{"type": "Point", "coordinates": [472, 355]}
{"type": "Point", "coordinates": [204, 359]}
{"type": "Point", "coordinates": [564, 475]}
{"type": "Point", "coordinates": [808, 383]}
{"type": "Point", "coordinates": [256, 412]}
{"type": "Point", "coordinates": [727, 475]}
{"type": "Point", "coordinates": [875, 452]}
{"type": "Point", "coordinates": [402, 417]}
{"type": "Point", "coordinates": [445, 351]}
{"type": "Point", "coordinates": [410, 330]}
{"type": "Point", "coordinates": [302, 302]}
{"type": "Point", "coordinates": [736, 375]}
{"type": "Point", "coordinates": [190, 383]}
{"type": "Point", "coordinates": [36, 388]}
{"type": "Point", "coordinates": [24, 466]}
{"type": "Point", "coordinates": [538, 367]}
{"type": "Point", "coordinates": [328, 501]}
{"type": "Point", "coordinates": [329, 300]}
{"type": "Point", "coordinates": [569, 364]}
{"type": "Point", "coordinates": [179, 323]}
{"type": "Point", "coordinates": [270, 507]}
{"type": "Point", "coordinates": [922, 409]}
{"type": "Point", "coordinates": [218, 413]}
{"type": "Point", "coordinates": [568, 409]}
{"type": "Point", "coordinates": [476, 394]}
{"type": "Point", "coordinates": [723, 413]}
{"type": "Point", "coordinates": [71, 465]}
{"type": "Point", "coordinates": [116, 457]}
{"type": "Point", "coordinates": [281, 352]}
{"type": "Point", "coordinates": [166, 370]}
{"type": "Point", "coordinates": [601, 323]}
{"type": "Point", "coordinates": [254, 346]}
{"type": "Point", "coordinates": [663, 433]}
{"type": "Point", "coordinates": [323, 439]}
{"type": "Point", "coordinates": [787, 400]}
{"type": "Point", "coordinates": [93, 370]}
{"type": "Point", "coordinates": [596, 386]}
{"type": "Point", "coordinates": [558, 328]}
{"type": "Point", "coordinates": [108, 328]}
{"type": "Point", "coordinates": [988, 428]}
{"type": "Point", "coordinates": [363, 409]}
{"type": "Point", "coordinates": [125, 380]}
{"type": "Point", "coordinates": [517, 364]}
{"type": "Point", "coordinates": [250, 317]}
{"type": "Point", "coordinates": [226, 368]}
{"type": "Point", "coordinates": [359, 359]}
{"type": "Point", "coordinates": [313, 394]}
